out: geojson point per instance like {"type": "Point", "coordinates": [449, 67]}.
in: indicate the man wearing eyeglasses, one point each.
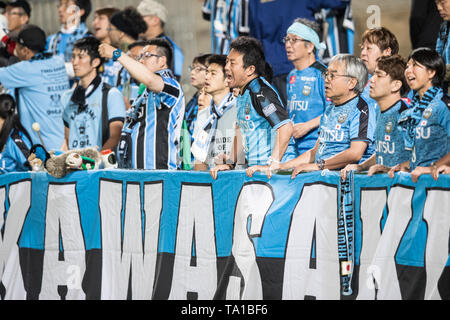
{"type": "Point", "coordinates": [17, 14]}
{"type": "Point", "coordinates": [150, 137]}
{"type": "Point", "coordinates": [347, 127]}
{"type": "Point", "coordinates": [305, 86]}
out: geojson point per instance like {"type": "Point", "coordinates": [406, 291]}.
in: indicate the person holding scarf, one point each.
{"type": "Point", "coordinates": [426, 125]}
{"type": "Point", "coordinates": [85, 123]}
{"type": "Point", "coordinates": [214, 139]}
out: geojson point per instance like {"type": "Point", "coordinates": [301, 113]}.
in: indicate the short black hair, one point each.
{"type": "Point", "coordinates": [164, 48]}
{"type": "Point", "coordinates": [86, 5]}
{"type": "Point", "coordinates": [201, 58]}
{"type": "Point", "coordinates": [253, 53]}
{"type": "Point", "coordinates": [431, 60]}
{"type": "Point", "coordinates": [395, 67]}
{"type": "Point", "coordinates": [219, 59]}
{"type": "Point", "coordinates": [90, 46]}
{"type": "Point", "coordinates": [129, 21]}
{"type": "Point", "coordinates": [138, 43]}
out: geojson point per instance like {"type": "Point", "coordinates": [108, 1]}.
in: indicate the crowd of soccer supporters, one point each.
{"type": "Point", "coordinates": [115, 85]}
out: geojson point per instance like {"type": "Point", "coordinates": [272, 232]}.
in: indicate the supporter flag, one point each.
{"type": "Point", "coordinates": [185, 151]}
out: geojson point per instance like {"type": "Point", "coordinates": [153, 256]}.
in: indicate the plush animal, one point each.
{"type": "Point", "coordinates": [78, 159]}
{"type": "Point", "coordinates": [75, 161]}
{"type": "Point", "coordinates": [36, 164]}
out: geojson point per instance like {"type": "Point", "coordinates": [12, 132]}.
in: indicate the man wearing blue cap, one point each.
{"type": "Point", "coordinates": [305, 85]}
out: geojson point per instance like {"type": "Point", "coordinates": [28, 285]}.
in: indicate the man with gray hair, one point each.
{"type": "Point", "coordinates": [155, 15]}
{"type": "Point", "coordinates": [347, 127]}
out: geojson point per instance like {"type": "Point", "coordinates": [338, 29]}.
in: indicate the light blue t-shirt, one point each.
{"type": "Point", "coordinates": [390, 145]}
{"type": "Point", "coordinates": [341, 124]}
{"type": "Point", "coordinates": [41, 82]}
{"type": "Point", "coordinates": [305, 101]}
{"type": "Point", "coordinates": [86, 127]}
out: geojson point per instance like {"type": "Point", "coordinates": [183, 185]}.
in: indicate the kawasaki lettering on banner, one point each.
{"type": "Point", "coordinates": [118, 234]}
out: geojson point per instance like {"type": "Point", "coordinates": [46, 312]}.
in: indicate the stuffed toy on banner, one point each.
{"type": "Point", "coordinates": [78, 159]}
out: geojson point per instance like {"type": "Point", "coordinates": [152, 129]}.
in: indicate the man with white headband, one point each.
{"type": "Point", "coordinates": [305, 86]}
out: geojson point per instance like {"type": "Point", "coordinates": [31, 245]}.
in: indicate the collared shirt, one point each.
{"type": "Point", "coordinates": [342, 124]}
{"type": "Point", "coordinates": [260, 113]}
{"type": "Point", "coordinates": [155, 135]}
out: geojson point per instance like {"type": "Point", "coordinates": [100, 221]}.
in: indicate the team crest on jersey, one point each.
{"type": "Point", "coordinates": [389, 127]}
{"type": "Point", "coordinates": [292, 79]}
{"type": "Point", "coordinates": [247, 117]}
{"type": "Point", "coordinates": [387, 137]}
{"type": "Point", "coordinates": [306, 90]}
{"type": "Point", "coordinates": [427, 113]}
{"type": "Point", "coordinates": [423, 123]}
{"type": "Point", "coordinates": [342, 118]}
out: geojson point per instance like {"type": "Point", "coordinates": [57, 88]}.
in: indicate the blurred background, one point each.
{"type": "Point", "coordinates": [191, 32]}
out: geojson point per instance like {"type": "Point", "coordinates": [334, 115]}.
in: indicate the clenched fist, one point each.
{"type": "Point", "coordinates": [106, 51]}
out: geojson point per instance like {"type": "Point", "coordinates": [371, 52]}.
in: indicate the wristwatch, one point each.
{"type": "Point", "coordinates": [321, 164]}
{"type": "Point", "coordinates": [116, 54]}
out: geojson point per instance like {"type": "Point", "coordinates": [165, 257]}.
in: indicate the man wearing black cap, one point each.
{"type": "Point", "coordinates": [38, 80]}
{"type": "Point", "coordinates": [17, 14]}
